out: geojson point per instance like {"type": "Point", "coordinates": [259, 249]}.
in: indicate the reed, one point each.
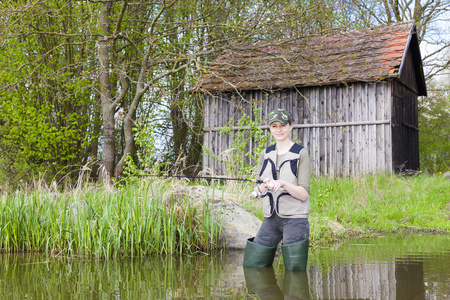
{"type": "Point", "coordinates": [137, 220]}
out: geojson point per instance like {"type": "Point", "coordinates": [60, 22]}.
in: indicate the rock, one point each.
{"type": "Point", "coordinates": [238, 224]}
{"type": "Point", "coordinates": [336, 228]}
{"type": "Point", "coordinates": [446, 175]}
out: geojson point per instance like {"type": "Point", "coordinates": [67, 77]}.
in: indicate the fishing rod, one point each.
{"type": "Point", "coordinates": [257, 182]}
{"type": "Point", "coordinates": [200, 177]}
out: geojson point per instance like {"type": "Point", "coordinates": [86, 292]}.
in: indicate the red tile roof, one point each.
{"type": "Point", "coordinates": [365, 55]}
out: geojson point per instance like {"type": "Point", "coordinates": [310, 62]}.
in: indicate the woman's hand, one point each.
{"type": "Point", "coordinates": [260, 189]}
{"type": "Point", "coordinates": [293, 190]}
{"type": "Point", "coordinates": [274, 185]}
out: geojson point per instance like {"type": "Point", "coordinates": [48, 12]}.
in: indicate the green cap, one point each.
{"type": "Point", "coordinates": [281, 116]}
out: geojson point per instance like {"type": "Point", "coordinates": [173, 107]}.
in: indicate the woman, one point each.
{"type": "Point", "coordinates": [285, 168]}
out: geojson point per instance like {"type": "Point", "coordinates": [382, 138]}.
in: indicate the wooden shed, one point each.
{"type": "Point", "coordinates": [353, 97]}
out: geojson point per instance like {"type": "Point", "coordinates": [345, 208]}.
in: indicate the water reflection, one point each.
{"type": "Point", "coordinates": [395, 267]}
{"type": "Point", "coordinates": [263, 283]}
{"type": "Point", "coordinates": [409, 279]}
{"type": "Point", "coordinates": [26, 276]}
{"type": "Point", "coordinates": [296, 285]}
{"type": "Point", "coordinates": [369, 281]}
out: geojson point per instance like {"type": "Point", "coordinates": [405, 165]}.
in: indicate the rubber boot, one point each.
{"type": "Point", "coordinates": [263, 283]}
{"type": "Point", "coordinates": [258, 255]}
{"type": "Point", "coordinates": [296, 285]}
{"type": "Point", "coordinates": [295, 255]}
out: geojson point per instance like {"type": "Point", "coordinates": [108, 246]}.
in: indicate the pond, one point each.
{"type": "Point", "coordinates": [410, 266]}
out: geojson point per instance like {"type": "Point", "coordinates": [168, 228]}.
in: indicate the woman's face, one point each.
{"type": "Point", "coordinates": [280, 132]}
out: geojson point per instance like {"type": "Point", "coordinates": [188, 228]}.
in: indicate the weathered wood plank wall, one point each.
{"type": "Point", "coordinates": [405, 129]}
{"type": "Point", "coordinates": [346, 128]}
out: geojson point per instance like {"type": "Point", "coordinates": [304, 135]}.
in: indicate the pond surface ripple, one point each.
{"type": "Point", "coordinates": [401, 267]}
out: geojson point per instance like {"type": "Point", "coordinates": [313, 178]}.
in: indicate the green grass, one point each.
{"type": "Point", "coordinates": [379, 203]}
{"type": "Point", "coordinates": [148, 216]}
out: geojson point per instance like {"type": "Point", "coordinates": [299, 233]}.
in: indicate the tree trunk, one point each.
{"type": "Point", "coordinates": [108, 106]}
{"type": "Point", "coordinates": [95, 133]}
{"type": "Point", "coordinates": [128, 124]}
{"type": "Point", "coordinates": [195, 146]}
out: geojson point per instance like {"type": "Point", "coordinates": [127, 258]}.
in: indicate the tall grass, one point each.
{"type": "Point", "coordinates": [140, 219]}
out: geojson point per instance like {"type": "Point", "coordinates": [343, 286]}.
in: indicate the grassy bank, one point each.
{"type": "Point", "coordinates": [147, 217]}
{"type": "Point", "coordinates": [378, 203]}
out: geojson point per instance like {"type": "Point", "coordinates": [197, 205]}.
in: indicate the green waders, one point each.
{"type": "Point", "coordinates": [258, 255]}
{"type": "Point", "coordinates": [295, 255]}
